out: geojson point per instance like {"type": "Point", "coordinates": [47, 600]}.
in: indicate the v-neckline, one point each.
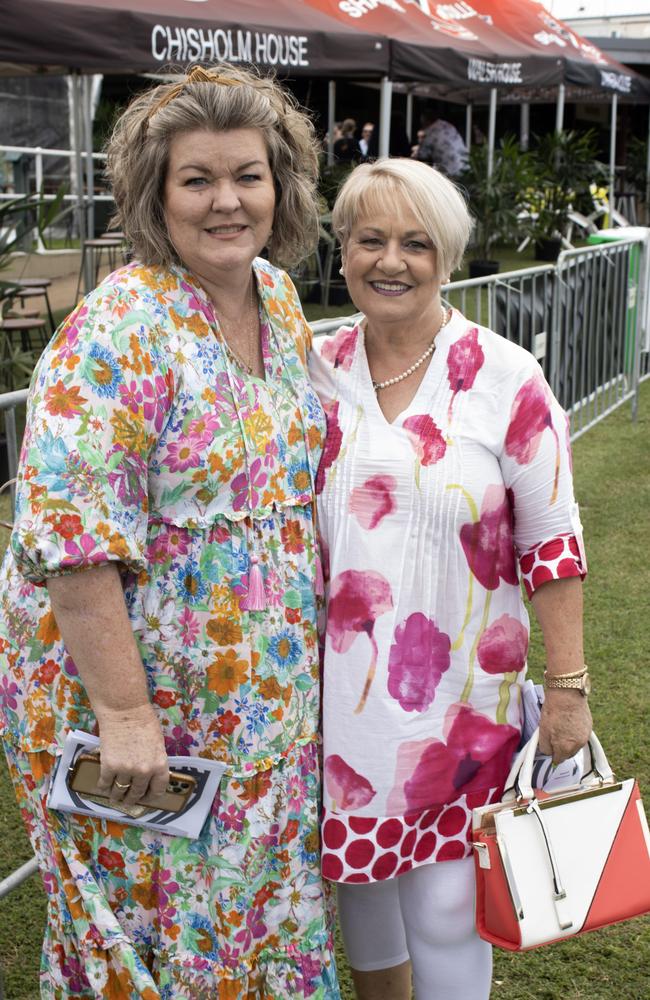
{"type": "Point", "coordinates": [370, 396]}
{"type": "Point", "coordinates": [264, 320]}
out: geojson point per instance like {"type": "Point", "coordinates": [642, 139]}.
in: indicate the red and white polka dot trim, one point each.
{"type": "Point", "coordinates": [370, 848]}
{"type": "Point", "coordinates": [553, 560]}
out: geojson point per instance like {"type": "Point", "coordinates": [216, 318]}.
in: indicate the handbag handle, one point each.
{"type": "Point", "coordinates": [519, 784]}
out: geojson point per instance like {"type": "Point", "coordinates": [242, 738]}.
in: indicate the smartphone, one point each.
{"type": "Point", "coordinates": [84, 775]}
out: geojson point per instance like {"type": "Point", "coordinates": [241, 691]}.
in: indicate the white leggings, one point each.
{"type": "Point", "coordinates": [427, 916]}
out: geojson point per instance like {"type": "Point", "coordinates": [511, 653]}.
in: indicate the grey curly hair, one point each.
{"type": "Point", "coordinates": [226, 97]}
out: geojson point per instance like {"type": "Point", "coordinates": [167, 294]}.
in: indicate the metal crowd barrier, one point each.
{"type": "Point", "coordinates": [586, 319]}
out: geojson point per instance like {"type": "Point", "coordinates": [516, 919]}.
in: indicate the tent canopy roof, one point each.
{"type": "Point", "coordinates": [460, 50]}
{"type": "Point", "coordinates": [122, 36]}
{"type": "Point", "coordinates": [455, 50]}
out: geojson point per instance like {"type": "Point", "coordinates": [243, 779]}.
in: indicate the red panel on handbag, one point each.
{"type": "Point", "coordinates": [495, 914]}
{"type": "Point", "coordinates": [625, 867]}
{"type": "Point", "coordinates": [549, 867]}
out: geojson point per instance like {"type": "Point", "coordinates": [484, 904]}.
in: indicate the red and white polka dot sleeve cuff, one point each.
{"type": "Point", "coordinates": [556, 559]}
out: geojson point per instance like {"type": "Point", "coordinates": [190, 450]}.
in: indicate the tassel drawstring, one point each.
{"type": "Point", "coordinates": [255, 599]}
{"type": "Point", "coordinates": [319, 582]}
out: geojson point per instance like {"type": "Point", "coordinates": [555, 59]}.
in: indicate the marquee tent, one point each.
{"type": "Point", "coordinates": [457, 50]}
{"type": "Point", "coordinates": [136, 36]}
{"type": "Point", "coordinates": [460, 50]}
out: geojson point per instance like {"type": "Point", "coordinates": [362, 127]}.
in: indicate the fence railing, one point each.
{"type": "Point", "coordinates": [586, 319]}
{"type": "Point", "coordinates": [84, 188]}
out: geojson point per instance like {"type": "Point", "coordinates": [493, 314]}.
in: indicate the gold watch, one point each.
{"type": "Point", "coordinates": [579, 681]}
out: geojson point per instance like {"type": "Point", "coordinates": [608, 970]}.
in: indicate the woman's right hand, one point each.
{"type": "Point", "coordinates": [132, 753]}
{"type": "Point", "coordinates": [565, 724]}
{"type": "Point", "coordinates": [91, 614]}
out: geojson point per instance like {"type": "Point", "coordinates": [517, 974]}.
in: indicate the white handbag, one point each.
{"type": "Point", "coordinates": [553, 865]}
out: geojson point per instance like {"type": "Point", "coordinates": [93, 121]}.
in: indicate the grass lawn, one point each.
{"type": "Point", "coordinates": [613, 486]}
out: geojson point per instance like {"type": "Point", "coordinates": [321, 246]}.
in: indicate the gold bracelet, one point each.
{"type": "Point", "coordinates": [568, 677]}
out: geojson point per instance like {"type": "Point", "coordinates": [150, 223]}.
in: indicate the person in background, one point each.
{"type": "Point", "coordinates": [346, 149]}
{"type": "Point", "coordinates": [445, 479]}
{"type": "Point", "coordinates": [336, 135]}
{"type": "Point", "coordinates": [398, 141]}
{"type": "Point", "coordinates": [161, 584]}
{"type": "Point", "coordinates": [418, 139]}
{"type": "Point", "coordinates": [442, 145]}
{"type": "Point", "coordinates": [364, 141]}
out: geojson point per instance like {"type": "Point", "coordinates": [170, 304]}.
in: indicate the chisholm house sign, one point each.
{"type": "Point", "coordinates": [183, 45]}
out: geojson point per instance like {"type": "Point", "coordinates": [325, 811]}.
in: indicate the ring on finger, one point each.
{"type": "Point", "coordinates": [118, 784]}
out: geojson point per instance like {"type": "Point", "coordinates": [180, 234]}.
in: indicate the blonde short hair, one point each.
{"type": "Point", "coordinates": [218, 99]}
{"type": "Point", "coordinates": [432, 197]}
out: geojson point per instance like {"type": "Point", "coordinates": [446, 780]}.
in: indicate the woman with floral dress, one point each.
{"type": "Point", "coordinates": [160, 589]}
{"type": "Point", "coordinates": [446, 466]}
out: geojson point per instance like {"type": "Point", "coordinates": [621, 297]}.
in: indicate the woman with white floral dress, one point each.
{"type": "Point", "coordinates": [446, 477]}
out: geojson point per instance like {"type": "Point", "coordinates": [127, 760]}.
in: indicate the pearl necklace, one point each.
{"type": "Point", "coordinates": [445, 317]}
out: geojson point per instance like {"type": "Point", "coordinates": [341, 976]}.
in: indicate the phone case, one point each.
{"type": "Point", "coordinates": [84, 775]}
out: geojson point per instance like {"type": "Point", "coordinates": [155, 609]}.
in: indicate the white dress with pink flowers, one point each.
{"type": "Point", "coordinates": [428, 524]}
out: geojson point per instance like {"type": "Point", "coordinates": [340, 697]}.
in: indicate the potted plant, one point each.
{"type": "Point", "coordinates": [495, 201]}
{"type": "Point", "coordinates": [546, 218]}
{"type": "Point", "coordinates": [564, 165]}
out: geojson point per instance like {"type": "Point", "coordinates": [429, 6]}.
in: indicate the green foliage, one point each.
{"type": "Point", "coordinates": [16, 366]}
{"type": "Point", "coordinates": [49, 212]}
{"type": "Point", "coordinates": [39, 214]}
{"type": "Point", "coordinates": [330, 180]}
{"type": "Point", "coordinates": [495, 202]}
{"type": "Point", "coordinates": [636, 165]}
{"type": "Point", "coordinates": [11, 213]}
{"type": "Point", "coordinates": [564, 164]}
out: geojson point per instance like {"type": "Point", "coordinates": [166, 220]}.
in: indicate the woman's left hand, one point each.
{"type": "Point", "coordinates": [565, 724]}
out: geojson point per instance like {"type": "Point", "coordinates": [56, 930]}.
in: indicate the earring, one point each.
{"type": "Point", "coordinates": [342, 270]}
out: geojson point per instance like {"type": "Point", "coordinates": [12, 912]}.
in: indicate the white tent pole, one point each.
{"type": "Point", "coordinates": [409, 116]}
{"type": "Point", "coordinates": [90, 167]}
{"type": "Point", "coordinates": [524, 126]}
{"type": "Point", "coordinates": [79, 173]}
{"type": "Point", "coordinates": [647, 180]}
{"type": "Point", "coordinates": [612, 156]}
{"type": "Point", "coordinates": [468, 125]}
{"type": "Point", "coordinates": [492, 128]}
{"type": "Point", "coordinates": [386, 95]}
{"type": "Point", "coordinates": [559, 109]}
{"type": "Point", "coordinates": [40, 246]}
{"type": "Point", "coordinates": [331, 112]}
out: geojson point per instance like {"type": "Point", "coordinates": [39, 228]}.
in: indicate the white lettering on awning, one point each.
{"type": "Point", "coordinates": [616, 81]}
{"type": "Point", "coordinates": [357, 8]}
{"type": "Point", "coordinates": [481, 71]}
{"type": "Point", "coordinates": [455, 11]}
{"type": "Point", "coordinates": [546, 38]}
{"type": "Point", "coordinates": [189, 44]}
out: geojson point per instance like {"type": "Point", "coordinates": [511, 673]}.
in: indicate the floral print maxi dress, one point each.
{"type": "Point", "coordinates": [147, 446]}
{"type": "Point", "coordinates": [423, 523]}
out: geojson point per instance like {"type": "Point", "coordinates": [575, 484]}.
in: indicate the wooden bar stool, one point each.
{"type": "Point", "coordinates": [116, 234]}
{"type": "Point", "coordinates": [32, 330]}
{"type": "Point", "coordinates": [31, 289]}
{"type": "Point", "coordinates": [95, 249]}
